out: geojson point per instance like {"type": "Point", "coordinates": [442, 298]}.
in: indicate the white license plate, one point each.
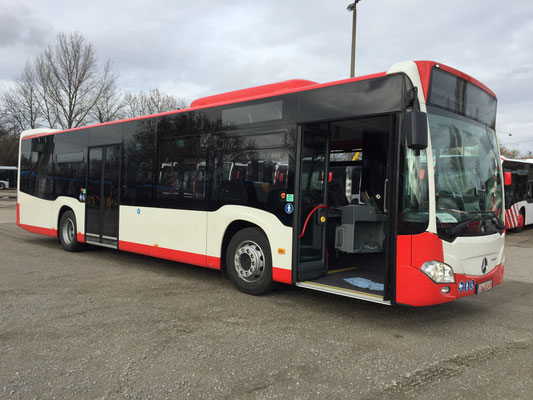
{"type": "Point", "coordinates": [481, 287]}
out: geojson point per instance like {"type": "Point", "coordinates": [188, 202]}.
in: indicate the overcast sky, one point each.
{"type": "Point", "coordinates": [193, 49]}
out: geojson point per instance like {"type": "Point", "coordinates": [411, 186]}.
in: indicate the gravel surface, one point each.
{"type": "Point", "coordinates": [108, 324]}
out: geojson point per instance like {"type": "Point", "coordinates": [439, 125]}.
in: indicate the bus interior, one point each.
{"type": "Point", "coordinates": [354, 227]}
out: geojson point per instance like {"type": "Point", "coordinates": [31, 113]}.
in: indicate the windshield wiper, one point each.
{"type": "Point", "coordinates": [493, 217]}
{"type": "Point", "coordinates": [453, 230]}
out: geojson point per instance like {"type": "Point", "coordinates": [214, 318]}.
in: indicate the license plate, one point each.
{"type": "Point", "coordinates": [481, 287]}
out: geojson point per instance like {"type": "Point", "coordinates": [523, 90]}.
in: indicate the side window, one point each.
{"type": "Point", "coordinates": [530, 191]}
{"type": "Point", "coordinates": [25, 167]}
{"type": "Point", "coordinates": [181, 172]}
{"type": "Point", "coordinates": [37, 167]}
{"type": "Point", "coordinates": [252, 169]}
{"type": "Point", "coordinates": [138, 160]}
{"type": "Point", "coordinates": [181, 169]}
{"type": "Point", "coordinates": [69, 177]}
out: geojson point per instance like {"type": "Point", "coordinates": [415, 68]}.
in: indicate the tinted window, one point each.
{"type": "Point", "coordinates": [70, 162]}
{"type": "Point", "coordinates": [106, 134]}
{"type": "Point", "coordinates": [247, 172]}
{"type": "Point", "coordinates": [69, 177]}
{"type": "Point", "coordinates": [181, 172]}
{"type": "Point", "coordinates": [461, 97]}
{"type": "Point", "coordinates": [181, 161]}
{"type": "Point", "coordinates": [25, 166]}
{"type": "Point", "coordinates": [138, 162]}
{"type": "Point", "coordinates": [253, 113]}
{"type": "Point", "coordinates": [40, 174]}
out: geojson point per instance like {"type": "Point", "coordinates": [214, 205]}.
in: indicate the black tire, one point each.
{"type": "Point", "coordinates": [2, 186]}
{"type": "Point", "coordinates": [68, 232]}
{"type": "Point", "coordinates": [249, 262]}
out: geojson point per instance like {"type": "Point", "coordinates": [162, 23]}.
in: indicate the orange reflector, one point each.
{"type": "Point", "coordinates": [156, 245]}
{"type": "Point", "coordinates": [322, 219]}
{"type": "Point", "coordinates": [281, 251]}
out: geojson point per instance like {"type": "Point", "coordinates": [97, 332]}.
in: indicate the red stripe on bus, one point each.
{"type": "Point", "coordinates": [213, 262]}
{"type": "Point", "coordinates": [39, 230]}
{"type": "Point", "coordinates": [282, 275]}
{"type": "Point", "coordinates": [169, 254]}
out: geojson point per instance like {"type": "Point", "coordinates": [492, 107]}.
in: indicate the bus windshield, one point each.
{"type": "Point", "coordinates": [468, 188]}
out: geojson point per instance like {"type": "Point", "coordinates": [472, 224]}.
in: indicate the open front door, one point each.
{"type": "Point", "coordinates": [102, 196]}
{"type": "Point", "coordinates": [310, 221]}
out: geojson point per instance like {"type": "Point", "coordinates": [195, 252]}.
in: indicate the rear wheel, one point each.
{"type": "Point", "coordinates": [521, 220]}
{"type": "Point", "coordinates": [2, 186]}
{"type": "Point", "coordinates": [68, 232]}
{"type": "Point", "coordinates": [249, 262]}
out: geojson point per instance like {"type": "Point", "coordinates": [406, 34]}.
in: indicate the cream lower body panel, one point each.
{"type": "Point", "coordinates": [465, 254]}
{"type": "Point", "coordinates": [44, 214]}
{"type": "Point", "coordinates": [180, 230]}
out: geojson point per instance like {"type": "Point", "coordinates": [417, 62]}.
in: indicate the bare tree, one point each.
{"type": "Point", "coordinates": [20, 104]}
{"type": "Point", "coordinates": [64, 87]}
{"type": "Point", "coordinates": [71, 81]}
{"type": "Point", "coordinates": [509, 153]}
{"type": "Point", "coordinates": [8, 147]}
{"type": "Point", "coordinates": [110, 106]}
{"type": "Point", "coordinates": [152, 102]}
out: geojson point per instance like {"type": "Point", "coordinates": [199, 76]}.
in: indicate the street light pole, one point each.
{"type": "Point", "coordinates": [353, 8]}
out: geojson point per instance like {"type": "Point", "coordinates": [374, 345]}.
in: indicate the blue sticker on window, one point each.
{"type": "Point", "coordinates": [289, 208]}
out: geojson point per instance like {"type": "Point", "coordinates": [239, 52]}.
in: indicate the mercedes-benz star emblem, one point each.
{"type": "Point", "coordinates": [484, 264]}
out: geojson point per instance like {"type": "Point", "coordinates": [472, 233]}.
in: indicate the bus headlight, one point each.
{"type": "Point", "coordinates": [438, 272]}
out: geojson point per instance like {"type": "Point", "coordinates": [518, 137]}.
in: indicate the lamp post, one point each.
{"type": "Point", "coordinates": [353, 8]}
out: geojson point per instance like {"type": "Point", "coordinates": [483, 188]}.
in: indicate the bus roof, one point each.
{"type": "Point", "coordinates": [525, 161]}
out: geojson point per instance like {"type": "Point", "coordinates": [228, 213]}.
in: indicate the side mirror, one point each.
{"type": "Point", "coordinates": [507, 178]}
{"type": "Point", "coordinates": [415, 127]}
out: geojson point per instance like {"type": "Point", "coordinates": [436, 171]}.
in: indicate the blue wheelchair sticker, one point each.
{"type": "Point", "coordinates": [460, 287]}
{"type": "Point", "coordinates": [289, 208]}
{"type": "Point", "coordinates": [467, 286]}
{"type": "Point", "coordinates": [472, 284]}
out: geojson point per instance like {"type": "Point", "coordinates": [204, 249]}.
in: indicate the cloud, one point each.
{"type": "Point", "coordinates": [193, 49]}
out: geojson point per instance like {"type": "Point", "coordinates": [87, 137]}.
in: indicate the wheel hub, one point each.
{"type": "Point", "coordinates": [68, 231]}
{"type": "Point", "coordinates": [249, 261]}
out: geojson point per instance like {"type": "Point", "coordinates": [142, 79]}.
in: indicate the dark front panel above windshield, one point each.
{"type": "Point", "coordinates": [459, 96]}
{"type": "Point", "coordinates": [366, 97]}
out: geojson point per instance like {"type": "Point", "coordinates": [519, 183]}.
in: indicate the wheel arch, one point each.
{"type": "Point", "coordinates": [64, 204]}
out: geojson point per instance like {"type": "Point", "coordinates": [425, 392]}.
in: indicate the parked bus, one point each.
{"type": "Point", "coordinates": [386, 187]}
{"type": "Point", "coordinates": [518, 193]}
{"type": "Point", "coordinates": [8, 177]}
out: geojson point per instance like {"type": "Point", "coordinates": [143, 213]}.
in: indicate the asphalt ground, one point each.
{"type": "Point", "coordinates": [108, 324]}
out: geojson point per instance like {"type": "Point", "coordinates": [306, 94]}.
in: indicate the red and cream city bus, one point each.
{"type": "Point", "coordinates": [385, 187]}
{"type": "Point", "coordinates": [518, 193]}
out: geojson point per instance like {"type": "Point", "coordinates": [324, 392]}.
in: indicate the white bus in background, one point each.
{"type": "Point", "coordinates": [8, 177]}
{"type": "Point", "coordinates": [518, 193]}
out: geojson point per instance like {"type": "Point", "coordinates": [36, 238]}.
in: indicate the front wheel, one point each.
{"type": "Point", "coordinates": [249, 262]}
{"type": "Point", "coordinates": [68, 232]}
{"type": "Point", "coordinates": [2, 186]}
